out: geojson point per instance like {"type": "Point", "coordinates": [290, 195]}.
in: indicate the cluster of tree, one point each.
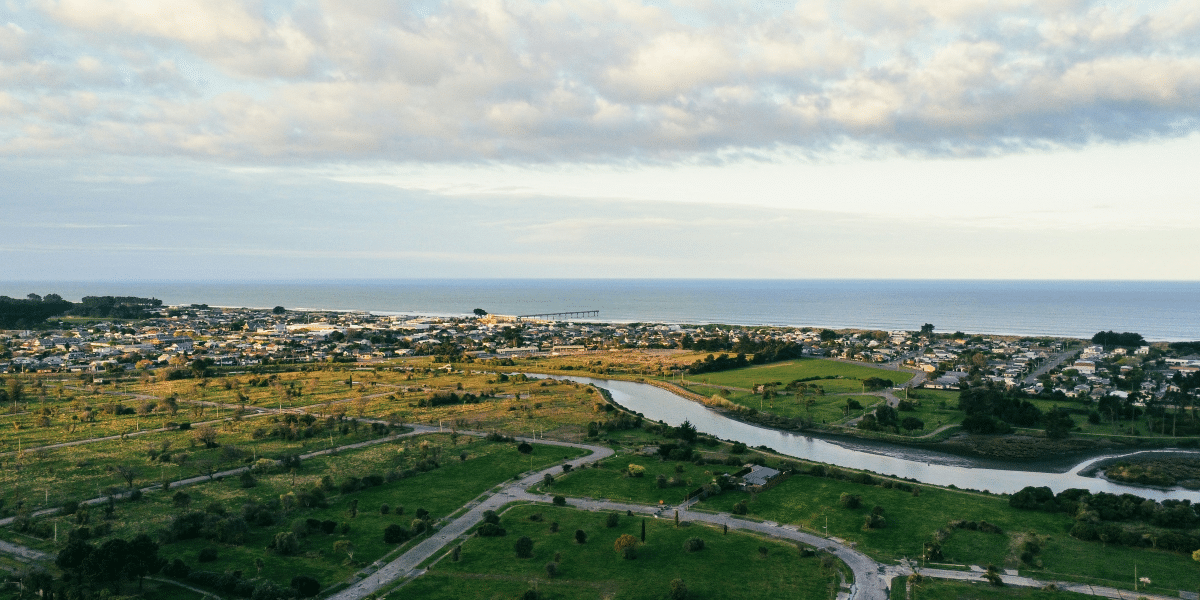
{"type": "Point", "coordinates": [31, 311]}
{"type": "Point", "coordinates": [233, 583]}
{"type": "Point", "coordinates": [723, 362]}
{"type": "Point", "coordinates": [768, 351]}
{"type": "Point", "coordinates": [448, 399]}
{"type": "Point", "coordinates": [1097, 516]}
{"type": "Point", "coordinates": [991, 410]}
{"type": "Point", "coordinates": [1110, 339]}
{"type": "Point", "coordinates": [709, 344]}
{"type": "Point", "coordinates": [887, 418]}
{"type": "Point", "coordinates": [87, 568]}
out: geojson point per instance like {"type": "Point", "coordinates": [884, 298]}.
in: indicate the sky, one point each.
{"type": "Point", "coordinates": [276, 140]}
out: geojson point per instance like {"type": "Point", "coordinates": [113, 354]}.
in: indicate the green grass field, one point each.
{"type": "Point", "coordinates": [610, 482]}
{"type": "Point", "coordinates": [849, 375]}
{"type": "Point", "coordinates": [729, 566]}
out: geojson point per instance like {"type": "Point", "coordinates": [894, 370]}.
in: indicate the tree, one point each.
{"type": "Point", "coordinates": [286, 544]}
{"type": "Point", "coordinates": [142, 558]}
{"type": "Point", "coordinates": [524, 448]}
{"type": "Point", "coordinates": [551, 570]}
{"type": "Point", "coordinates": [693, 544]}
{"type": "Point", "coordinates": [479, 312]}
{"type": "Point", "coordinates": [205, 434]}
{"type": "Point", "coordinates": [927, 329]}
{"type": "Point", "coordinates": [580, 536]}
{"type": "Point", "coordinates": [612, 520]}
{"type": "Point", "coordinates": [128, 474]}
{"type": "Point", "coordinates": [305, 586]}
{"type": "Point", "coordinates": [279, 310]}
{"type": "Point", "coordinates": [523, 547]}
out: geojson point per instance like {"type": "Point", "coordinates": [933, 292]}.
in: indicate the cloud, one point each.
{"type": "Point", "coordinates": [589, 80]}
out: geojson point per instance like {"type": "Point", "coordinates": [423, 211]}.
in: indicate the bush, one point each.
{"type": "Point", "coordinates": [247, 479]}
{"type": "Point", "coordinates": [490, 530]}
{"type": "Point", "coordinates": [847, 500]}
{"type": "Point", "coordinates": [678, 591]}
{"type": "Point", "coordinates": [738, 448]}
{"type": "Point", "coordinates": [305, 586]}
{"type": "Point", "coordinates": [741, 508]}
{"type": "Point", "coordinates": [580, 536]}
{"type": "Point", "coordinates": [394, 534]}
{"type": "Point", "coordinates": [560, 501]}
{"type": "Point", "coordinates": [551, 570]}
{"type": "Point", "coordinates": [693, 545]}
{"type": "Point", "coordinates": [207, 555]}
{"type": "Point", "coordinates": [384, 509]}
{"type": "Point", "coordinates": [524, 547]}
{"type": "Point", "coordinates": [612, 520]}
{"type": "Point", "coordinates": [490, 516]}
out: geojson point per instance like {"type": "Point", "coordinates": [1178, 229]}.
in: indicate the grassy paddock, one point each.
{"type": "Point", "coordinates": [489, 567]}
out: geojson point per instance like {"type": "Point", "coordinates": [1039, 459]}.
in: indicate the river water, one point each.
{"type": "Point", "coordinates": [937, 468]}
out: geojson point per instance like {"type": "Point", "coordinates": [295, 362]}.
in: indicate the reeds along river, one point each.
{"type": "Point", "coordinates": [926, 466]}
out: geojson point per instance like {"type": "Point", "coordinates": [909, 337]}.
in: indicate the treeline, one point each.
{"type": "Point", "coordinates": [761, 353]}
{"type": "Point", "coordinates": [33, 310]}
{"type": "Point", "coordinates": [29, 312]}
{"type": "Point", "coordinates": [1101, 516]}
{"type": "Point", "coordinates": [1110, 338]}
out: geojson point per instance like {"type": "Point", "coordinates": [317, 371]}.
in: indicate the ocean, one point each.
{"type": "Point", "coordinates": [1159, 310]}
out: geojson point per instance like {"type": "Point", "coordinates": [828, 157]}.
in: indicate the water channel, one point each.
{"type": "Point", "coordinates": [937, 468]}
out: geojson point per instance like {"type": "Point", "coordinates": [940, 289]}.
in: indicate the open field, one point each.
{"type": "Point", "coordinates": [489, 568]}
{"type": "Point", "coordinates": [612, 481]}
{"type": "Point", "coordinates": [846, 377]}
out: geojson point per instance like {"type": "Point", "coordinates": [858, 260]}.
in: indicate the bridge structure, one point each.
{"type": "Point", "coordinates": [562, 316]}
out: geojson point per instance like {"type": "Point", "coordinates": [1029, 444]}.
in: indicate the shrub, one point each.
{"type": "Point", "coordinates": [560, 501]}
{"type": "Point", "coordinates": [285, 543]}
{"type": "Point", "coordinates": [490, 516]}
{"type": "Point", "coordinates": [247, 479]}
{"type": "Point", "coordinates": [847, 500]}
{"type": "Point", "coordinates": [612, 520]}
{"type": "Point", "coordinates": [693, 544]}
{"type": "Point", "coordinates": [394, 534]}
{"type": "Point", "coordinates": [623, 542]}
{"type": "Point", "coordinates": [678, 591]}
{"type": "Point", "coordinates": [207, 555]}
{"type": "Point", "coordinates": [738, 448]}
{"type": "Point", "coordinates": [551, 570]}
{"type": "Point", "coordinates": [580, 536]}
{"type": "Point", "coordinates": [384, 509]}
{"type": "Point", "coordinates": [305, 586]}
{"type": "Point", "coordinates": [741, 508]}
{"type": "Point", "coordinates": [524, 547]}
{"type": "Point", "coordinates": [490, 530]}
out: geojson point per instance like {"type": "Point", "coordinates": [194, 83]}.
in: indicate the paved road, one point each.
{"type": "Point", "coordinates": [871, 578]}
{"type": "Point", "coordinates": [1050, 364]}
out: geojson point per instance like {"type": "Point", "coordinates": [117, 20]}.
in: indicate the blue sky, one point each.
{"type": "Point", "coordinates": [870, 139]}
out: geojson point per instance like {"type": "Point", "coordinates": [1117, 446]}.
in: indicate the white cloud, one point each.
{"type": "Point", "coordinates": [589, 80]}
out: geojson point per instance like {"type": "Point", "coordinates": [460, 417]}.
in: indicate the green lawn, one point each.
{"type": "Point", "coordinates": [848, 375]}
{"type": "Point", "coordinates": [729, 566]}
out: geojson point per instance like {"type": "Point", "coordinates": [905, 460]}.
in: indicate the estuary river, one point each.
{"type": "Point", "coordinates": [937, 468]}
